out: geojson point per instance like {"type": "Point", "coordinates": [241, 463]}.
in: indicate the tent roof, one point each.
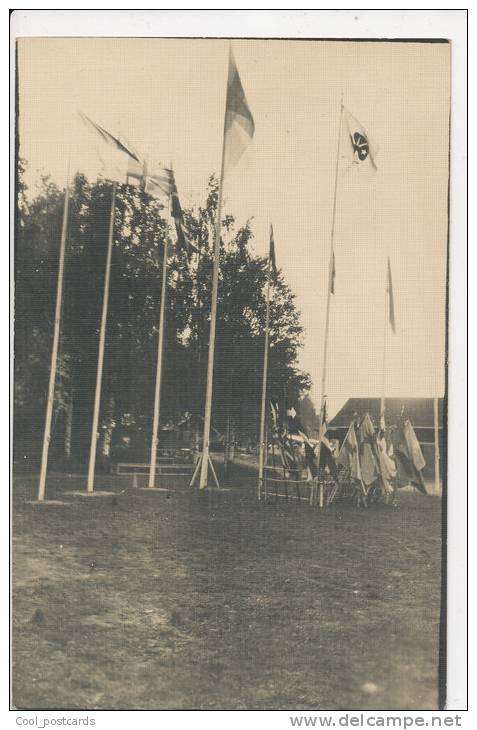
{"type": "Point", "coordinates": [419, 410]}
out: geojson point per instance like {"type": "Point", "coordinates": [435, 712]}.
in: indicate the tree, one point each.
{"type": "Point", "coordinates": [131, 344]}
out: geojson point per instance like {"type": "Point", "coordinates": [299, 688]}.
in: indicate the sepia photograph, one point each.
{"type": "Point", "coordinates": [230, 388]}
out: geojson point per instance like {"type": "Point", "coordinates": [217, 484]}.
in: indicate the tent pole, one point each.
{"type": "Point", "coordinates": [102, 336]}
{"type": "Point", "coordinates": [54, 349]}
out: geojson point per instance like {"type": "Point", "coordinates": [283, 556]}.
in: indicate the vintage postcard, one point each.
{"type": "Point", "coordinates": [230, 405]}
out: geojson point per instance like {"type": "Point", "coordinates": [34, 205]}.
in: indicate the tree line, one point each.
{"type": "Point", "coordinates": [131, 341]}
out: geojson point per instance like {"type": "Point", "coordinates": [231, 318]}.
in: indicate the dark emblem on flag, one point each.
{"type": "Point", "coordinates": [360, 145]}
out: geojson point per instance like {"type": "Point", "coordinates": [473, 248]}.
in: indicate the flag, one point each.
{"type": "Point", "coordinates": [359, 147]}
{"type": "Point", "coordinates": [333, 273]}
{"type": "Point", "coordinates": [182, 232]}
{"type": "Point", "coordinates": [368, 450]}
{"type": "Point", "coordinates": [161, 182]}
{"type": "Point", "coordinates": [271, 254]}
{"type": "Point", "coordinates": [408, 456]}
{"type": "Point", "coordinates": [127, 165]}
{"type": "Point", "coordinates": [109, 139]}
{"type": "Point", "coordinates": [349, 453]}
{"type": "Point", "coordinates": [389, 290]}
{"type": "Point", "coordinates": [324, 420]}
{"type": "Point", "coordinates": [239, 125]}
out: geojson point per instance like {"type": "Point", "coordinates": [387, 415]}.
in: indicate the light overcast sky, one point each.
{"type": "Point", "coordinates": [168, 95]}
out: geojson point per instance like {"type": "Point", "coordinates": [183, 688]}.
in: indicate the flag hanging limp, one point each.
{"type": "Point", "coordinates": [349, 453]}
{"type": "Point", "coordinates": [239, 124]}
{"type": "Point", "coordinates": [389, 290]}
{"type": "Point", "coordinates": [359, 146]}
{"type": "Point", "coordinates": [182, 232]}
{"type": "Point", "coordinates": [271, 255]}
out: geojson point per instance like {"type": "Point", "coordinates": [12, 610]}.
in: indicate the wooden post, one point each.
{"type": "Point", "coordinates": [262, 444]}
{"type": "Point", "coordinates": [102, 337]}
{"type": "Point", "coordinates": [54, 349]}
{"type": "Point", "coordinates": [160, 358]}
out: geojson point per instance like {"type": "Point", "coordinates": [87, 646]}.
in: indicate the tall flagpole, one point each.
{"type": "Point", "coordinates": [382, 409]}
{"type": "Point", "coordinates": [436, 447]}
{"type": "Point", "coordinates": [213, 316]}
{"type": "Point", "coordinates": [262, 444]}
{"type": "Point", "coordinates": [102, 336]}
{"type": "Point", "coordinates": [160, 351]}
{"type": "Point", "coordinates": [328, 299]}
{"type": "Point", "coordinates": [54, 349]}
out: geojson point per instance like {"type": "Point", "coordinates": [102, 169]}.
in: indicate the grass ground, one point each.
{"type": "Point", "coordinates": [183, 600]}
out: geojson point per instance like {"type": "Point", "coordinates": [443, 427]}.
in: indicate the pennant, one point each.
{"type": "Point", "coordinates": [389, 290]}
{"type": "Point", "coordinates": [239, 125]}
{"type": "Point", "coordinates": [359, 146]}
{"type": "Point", "coordinates": [271, 255]}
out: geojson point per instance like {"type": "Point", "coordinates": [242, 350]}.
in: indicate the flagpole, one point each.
{"type": "Point", "coordinates": [436, 447]}
{"type": "Point", "coordinates": [54, 349]}
{"type": "Point", "coordinates": [382, 409]}
{"type": "Point", "coordinates": [328, 299]}
{"type": "Point", "coordinates": [160, 356]}
{"type": "Point", "coordinates": [213, 317]}
{"type": "Point", "coordinates": [262, 444]}
{"type": "Point", "coordinates": [102, 336]}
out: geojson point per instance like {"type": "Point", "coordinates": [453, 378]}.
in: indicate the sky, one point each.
{"type": "Point", "coordinates": [168, 95]}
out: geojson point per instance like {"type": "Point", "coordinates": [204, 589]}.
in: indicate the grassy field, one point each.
{"type": "Point", "coordinates": [183, 600]}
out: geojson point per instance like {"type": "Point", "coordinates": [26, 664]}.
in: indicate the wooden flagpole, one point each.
{"type": "Point", "coordinates": [328, 301]}
{"type": "Point", "coordinates": [382, 410]}
{"type": "Point", "coordinates": [54, 349]}
{"type": "Point", "coordinates": [436, 447]}
{"type": "Point", "coordinates": [102, 336]}
{"type": "Point", "coordinates": [262, 445]}
{"type": "Point", "coordinates": [160, 357]}
{"type": "Point", "coordinates": [204, 467]}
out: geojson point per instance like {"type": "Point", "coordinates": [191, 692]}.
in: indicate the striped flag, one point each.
{"type": "Point", "coordinates": [389, 290]}
{"type": "Point", "coordinates": [239, 125]}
